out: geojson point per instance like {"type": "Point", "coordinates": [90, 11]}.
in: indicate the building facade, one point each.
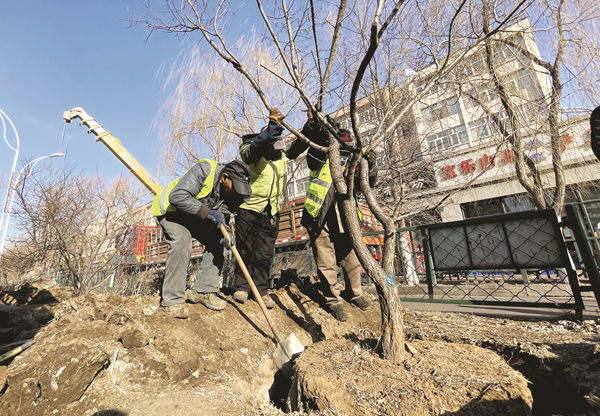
{"type": "Point", "coordinates": [456, 135]}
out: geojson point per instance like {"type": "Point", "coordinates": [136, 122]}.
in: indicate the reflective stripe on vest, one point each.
{"type": "Point", "coordinates": [161, 204]}
{"type": "Point", "coordinates": [316, 191]}
{"type": "Point", "coordinates": [317, 188]}
{"type": "Point", "coordinates": [267, 179]}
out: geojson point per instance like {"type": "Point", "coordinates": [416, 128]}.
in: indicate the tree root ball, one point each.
{"type": "Point", "coordinates": [441, 378]}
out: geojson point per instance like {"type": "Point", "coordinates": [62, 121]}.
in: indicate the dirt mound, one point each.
{"type": "Point", "coordinates": [439, 378]}
{"type": "Point", "coordinates": [96, 354]}
{"type": "Point", "coordinates": [115, 352]}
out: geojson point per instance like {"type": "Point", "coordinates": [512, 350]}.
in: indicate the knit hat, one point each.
{"type": "Point", "coordinates": [346, 137]}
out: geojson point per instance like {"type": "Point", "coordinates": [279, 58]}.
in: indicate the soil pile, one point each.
{"type": "Point", "coordinates": [96, 354]}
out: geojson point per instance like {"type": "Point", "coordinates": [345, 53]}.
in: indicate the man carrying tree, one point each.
{"type": "Point", "coordinates": [321, 217]}
{"type": "Point", "coordinates": [195, 206]}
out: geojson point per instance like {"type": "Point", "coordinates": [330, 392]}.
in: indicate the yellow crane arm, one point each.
{"type": "Point", "coordinates": [115, 146]}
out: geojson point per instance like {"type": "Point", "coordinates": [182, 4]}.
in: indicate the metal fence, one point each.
{"type": "Point", "coordinates": [516, 259]}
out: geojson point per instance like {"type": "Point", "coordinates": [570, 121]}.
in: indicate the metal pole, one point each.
{"type": "Point", "coordinates": [12, 199]}
{"type": "Point", "coordinates": [12, 171]}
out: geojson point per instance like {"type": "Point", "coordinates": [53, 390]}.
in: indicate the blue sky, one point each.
{"type": "Point", "coordinates": [60, 54]}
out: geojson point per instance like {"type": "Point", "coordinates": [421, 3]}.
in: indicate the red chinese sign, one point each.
{"type": "Point", "coordinates": [486, 161]}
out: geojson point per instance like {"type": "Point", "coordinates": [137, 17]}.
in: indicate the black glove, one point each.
{"type": "Point", "coordinates": [268, 136]}
{"type": "Point", "coordinates": [228, 242]}
{"type": "Point", "coordinates": [215, 216]}
{"type": "Point", "coordinates": [371, 158]}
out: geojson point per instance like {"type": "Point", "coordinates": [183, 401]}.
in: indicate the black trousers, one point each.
{"type": "Point", "coordinates": [255, 236]}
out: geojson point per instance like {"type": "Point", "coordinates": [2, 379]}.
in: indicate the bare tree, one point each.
{"type": "Point", "coordinates": [532, 97]}
{"type": "Point", "coordinates": [307, 39]}
{"type": "Point", "coordinates": [76, 224]}
{"type": "Point", "coordinates": [211, 108]}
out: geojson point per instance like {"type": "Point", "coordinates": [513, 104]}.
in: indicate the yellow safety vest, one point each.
{"type": "Point", "coordinates": [161, 204]}
{"type": "Point", "coordinates": [318, 186]}
{"type": "Point", "coordinates": [267, 179]}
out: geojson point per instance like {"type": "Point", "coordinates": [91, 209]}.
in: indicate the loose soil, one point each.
{"type": "Point", "coordinates": [100, 355]}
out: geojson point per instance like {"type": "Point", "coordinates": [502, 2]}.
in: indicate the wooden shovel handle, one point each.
{"type": "Point", "coordinates": [252, 287]}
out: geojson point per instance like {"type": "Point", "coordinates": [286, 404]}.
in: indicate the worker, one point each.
{"type": "Point", "coordinates": [257, 222]}
{"type": "Point", "coordinates": [195, 206]}
{"type": "Point", "coordinates": [321, 217]}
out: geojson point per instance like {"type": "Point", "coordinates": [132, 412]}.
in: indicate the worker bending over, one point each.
{"type": "Point", "coordinates": [195, 206]}
{"type": "Point", "coordinates": [321, 217]}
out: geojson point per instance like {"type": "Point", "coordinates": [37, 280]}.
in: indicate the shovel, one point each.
{"type": "Point", "coordinates": [287, 349]}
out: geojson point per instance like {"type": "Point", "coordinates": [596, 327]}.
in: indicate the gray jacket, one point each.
{"type": "Point", "coordinates": [183, 195]}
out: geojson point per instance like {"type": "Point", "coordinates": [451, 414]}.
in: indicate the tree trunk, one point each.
{"type": "Point", "coordinates": [392, 321]}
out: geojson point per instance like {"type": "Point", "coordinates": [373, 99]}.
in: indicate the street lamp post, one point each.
{"type": "Point", "coordinates": [10, 181]}
{"type": "Point", "coordinates": [14, 189]}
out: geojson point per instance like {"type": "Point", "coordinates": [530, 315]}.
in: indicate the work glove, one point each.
{"type": "Point", "coordinates": [310, 116]}
{"type": "Point", "coordinates": [228, 242]}
{"type": "Point", "coordinates": [215, 216]}
{"type": "Point", "coordinates": [371, 158]}
{"type": "Point", "coordinates": [276, 115]}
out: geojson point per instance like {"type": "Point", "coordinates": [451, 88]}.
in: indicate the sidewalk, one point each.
{"type": "Point", "coordinates": [591, 311]}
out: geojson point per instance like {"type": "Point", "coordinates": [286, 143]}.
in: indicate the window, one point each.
{"type": "Point", "coordinates": [523, 83]}
{"type": "Point", "coordinates": [421, 85]}
{"type": "Point", "coordinates": [368, 114]}
{"type": "Point", "coordinates": [441, 110]}
{"type": "Point", "coordinates": [503, 121]}
{"type": "Point", "coordinates": [470, 99]}
{"type": "Point", "coordinates": [291, 188]}
{"type": "Point", "coordinates": [479, 129]}
{"type": "Point", "coordinates": [485, 93]}
{"type": "Point", "coordinates": [503, 53]}
{"type": "Point", "coordinates": [448, 138]}
{"type": "Point", "coordinates": [303, 166]}
{"type": "Point", "coordinates": [345, 122]}
{"type": "Point", "coordinates": [301, 184]}
{"type": "Point", "coordinates": [481, 208]}
{"type": "Point", "coordinates": [368, 135]}
{"type": "Point", "coordinates": [472, 65]}
{"type": "Point", "coordinates": [290, 169]}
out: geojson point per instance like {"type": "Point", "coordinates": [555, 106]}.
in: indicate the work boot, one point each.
{"type": "Point", "coordinates": [268, 301]}
{"type": "Point", "coordinates": [210, 300]}
{"type": "Point", "coordinates": [176, 311]}
{"type": "Point", "coordinates": [361, 303]}
{"type": "Point", "coordinates": [240, 296]}
{"type": "Point", "coordinates": [338, 312]}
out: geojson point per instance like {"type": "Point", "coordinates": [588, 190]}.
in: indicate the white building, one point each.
{"type": "Point", "coordinates": [454, 132]}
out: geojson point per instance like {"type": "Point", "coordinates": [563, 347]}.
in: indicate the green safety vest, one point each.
{"type": "Point", "coordinates": [161, 204]}
{"type": "Point", "coordinates": [267, 179]}
{"type": "Point", "coordinates": [318, 186]}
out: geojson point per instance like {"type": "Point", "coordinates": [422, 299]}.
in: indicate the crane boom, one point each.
{"type": "Point", "coordinates": [115, 146]}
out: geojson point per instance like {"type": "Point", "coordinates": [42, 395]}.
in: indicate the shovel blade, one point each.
{"type": "Point", "coordinates": [286, 353]}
